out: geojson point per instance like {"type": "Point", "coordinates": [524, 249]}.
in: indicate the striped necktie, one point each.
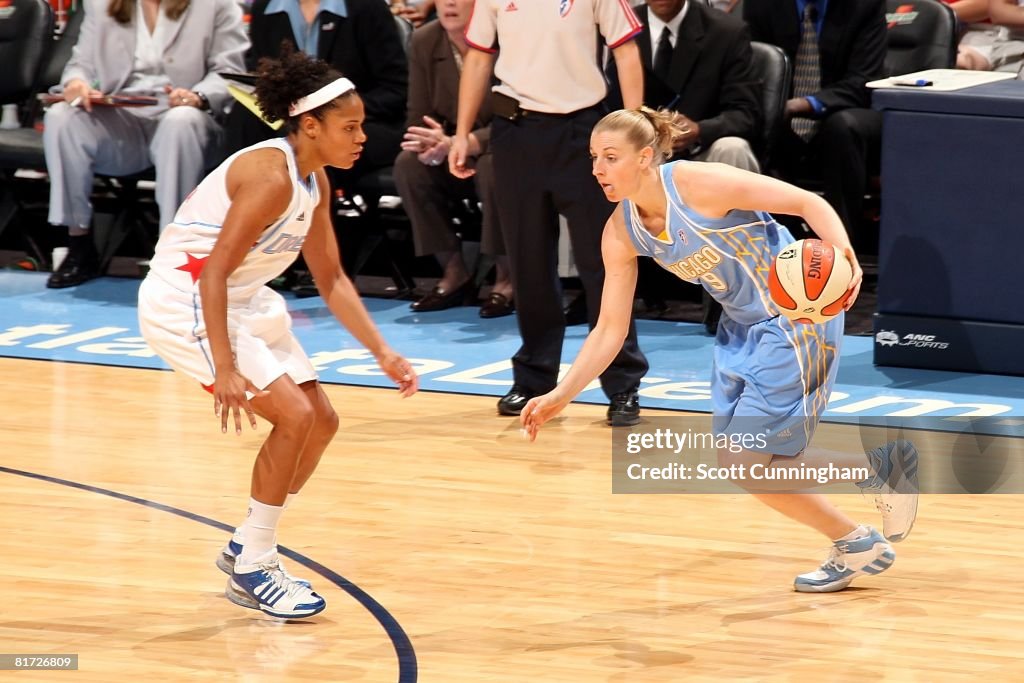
{"type": "Point", "coordinates": [807, 69]}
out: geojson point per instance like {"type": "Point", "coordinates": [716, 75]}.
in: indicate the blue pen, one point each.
{"type": "Point", "coordinates": [919, 83]}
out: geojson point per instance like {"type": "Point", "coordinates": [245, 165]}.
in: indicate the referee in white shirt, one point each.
{"type": "Point", "coordinates": [550, 95]}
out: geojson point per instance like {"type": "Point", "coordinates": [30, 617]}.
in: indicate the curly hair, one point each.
{"type": "Point", "coordinates": [292, 76]}
{"type": "Point", "coordinates": [646, 127]}
{"type": "Point", "coordinates": [123, 10]}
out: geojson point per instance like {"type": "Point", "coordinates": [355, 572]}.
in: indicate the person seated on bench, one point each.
{"type": "Point", "coordinates": [174, 49]}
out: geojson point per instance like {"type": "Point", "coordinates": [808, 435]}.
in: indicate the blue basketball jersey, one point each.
{"type": "Point", "coordinates": [770, 375]}
{"type": "Point", "coordinates": [729, 256]}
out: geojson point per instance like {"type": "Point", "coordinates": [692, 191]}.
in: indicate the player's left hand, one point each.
{"type": "Point", "coordinates": [858, 276]}
{"type": "Point", "coordinates": [539, 410]}
{"type": "Point", "coordinates": [400, 371]}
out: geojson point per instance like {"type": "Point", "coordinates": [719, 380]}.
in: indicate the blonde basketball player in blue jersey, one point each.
{"type": "Point", "coordinates": [709, 224]}
{"type": "Point", "coordinates": [205, 308]}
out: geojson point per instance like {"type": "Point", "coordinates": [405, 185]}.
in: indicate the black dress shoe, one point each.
{"type": "Point", "coordinates": [497, 306]}
{"type": "Point", "coordinates": [76, 269]}
{"type": "Point", "coordinates": [514, 401]}
{"type": "Point", "coordinates": [439, 301]}
{"type": "Point", "coordinates": [624, 409]}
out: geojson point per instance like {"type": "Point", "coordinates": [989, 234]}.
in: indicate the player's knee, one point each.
{"type": "Point", "coordinates": [737, 464]}
{"type": "Point", "coordinates": [299, 419]}
{"type": "Point", "coordinates": [327, 423]}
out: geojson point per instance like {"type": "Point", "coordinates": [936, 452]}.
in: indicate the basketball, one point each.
{"type": "Point", "coordinates": [808, 281]}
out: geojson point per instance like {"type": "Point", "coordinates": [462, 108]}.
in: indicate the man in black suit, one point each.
{"type": "Point", "coordinates": [698, 62]}
{"type": "Point", "coordinates": [833, 130]}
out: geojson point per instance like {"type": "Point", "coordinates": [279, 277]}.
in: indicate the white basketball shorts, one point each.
{"type": "Point", "coordinates": [260, 330]}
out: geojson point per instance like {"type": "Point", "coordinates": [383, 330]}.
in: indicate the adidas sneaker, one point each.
{"type": "Point", "coordinates": [867, 555]}
{"type": "Point", "coordinates": [265, 586]}
{"type": "Point", "coordinates": [230, 552]}
{"type": "Point", "coordinates": [895, 487]}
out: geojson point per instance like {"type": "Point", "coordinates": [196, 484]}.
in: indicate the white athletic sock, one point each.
{"type": "Point", "coordinates": [860, 532]}
{"type": "Point", "coordinates": [239, 536]}
{"type": "Point", "coordinates": [259, 532]}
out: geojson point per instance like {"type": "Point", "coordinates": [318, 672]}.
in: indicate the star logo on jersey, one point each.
{"type": "Point", "coordinates": [193, 266]}
{"type": "Point", "coordinates": [564, 6]}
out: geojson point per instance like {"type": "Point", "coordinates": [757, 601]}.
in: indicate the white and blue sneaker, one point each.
{"type": "Point", "coordinates": [867, 555]}
{"type": "Point", "coordinates": [264, 586]}
{"type": "Point", "coordinates": [230, 552]}
{"type": "Point", "coordinates": [895, 487]}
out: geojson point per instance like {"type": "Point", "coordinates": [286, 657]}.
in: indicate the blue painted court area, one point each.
{"type": "Point", "coordinates": [456, 351]}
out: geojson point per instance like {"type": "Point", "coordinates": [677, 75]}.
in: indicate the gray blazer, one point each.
{"type": "Point", "coordinates": [208, 38]}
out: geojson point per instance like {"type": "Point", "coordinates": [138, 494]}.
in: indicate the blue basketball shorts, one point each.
{"type": "Point", "coordinates": [771, 381]}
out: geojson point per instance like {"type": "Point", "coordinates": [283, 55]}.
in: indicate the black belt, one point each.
{"type": "Point", "coordinates": [508, 108]}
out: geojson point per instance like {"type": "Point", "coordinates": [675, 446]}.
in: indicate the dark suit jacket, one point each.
{"type": "Point", "coordinates": [364, 46]}
{"type": "Point", "coordinates": [712, 72]}
{"type": "Point", "coordinates": [434, 83]}
{"type": "Point", "coordinates": [852, 44]}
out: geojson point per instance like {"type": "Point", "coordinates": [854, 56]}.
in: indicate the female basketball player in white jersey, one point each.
{"type": "Point", "coordinates": [205, 307]}
{"type": "Point", "coordinates": [708, 224]}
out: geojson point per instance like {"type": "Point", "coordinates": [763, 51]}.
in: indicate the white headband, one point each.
{"type": "Point", "coordinates": [321, 97]}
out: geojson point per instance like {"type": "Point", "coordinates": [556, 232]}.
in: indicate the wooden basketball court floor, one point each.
{"type": "Point", "coordinates": [472, 554]}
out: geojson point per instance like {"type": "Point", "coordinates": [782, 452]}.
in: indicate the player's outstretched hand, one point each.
{"type": "Point", "coordinates": [229, 394]}
{"type": "Point", "coordinates": [400, 371]}
{"type": "Point", "coordinates": [858, 276]}
{"type": "Point", "coordinates": [537, 411]}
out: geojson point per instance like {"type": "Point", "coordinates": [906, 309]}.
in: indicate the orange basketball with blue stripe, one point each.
{"type": "Point", "coordinates": [809, 280]}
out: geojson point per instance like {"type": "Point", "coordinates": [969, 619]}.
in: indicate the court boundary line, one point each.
{"type": "Point", "coordinates": [938, 422]}
{"type": "Point", "coordinates": [407, 663]}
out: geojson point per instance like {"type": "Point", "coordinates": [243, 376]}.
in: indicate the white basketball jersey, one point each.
{"type": "Point", "coordinates": [186, 243]}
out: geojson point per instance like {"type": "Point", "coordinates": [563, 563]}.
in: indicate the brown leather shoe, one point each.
{"type": "Point", "coordinates": [438, 301]}
{"type": "Point", "coordinates": [497, 306]}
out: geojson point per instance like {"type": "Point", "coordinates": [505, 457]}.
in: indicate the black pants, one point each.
{"type": "Point", "coordinates": [542, 169]}
{"type": "Point", "coordinates": [843, 154]}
